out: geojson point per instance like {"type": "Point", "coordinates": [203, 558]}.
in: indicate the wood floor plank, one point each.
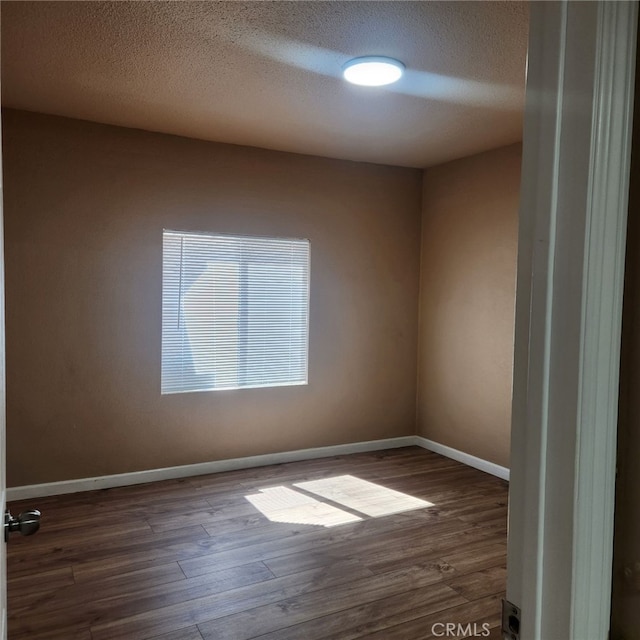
{"type": "Point", "coordinates": [480, 584]}
{"type": "Point", "coordinates": [478, 613]}
{"type": "Point", "coordinates": [116, 555]}
{"type": "Point", "coordinates": [236, 508]}
{"type": "Point", "coordinates": [130, 602]}
{"type": "Point", "coordinates": [50, 540]}
{"type": "Point", "coordinates": [181, 544]}
{"type": "Point", "coordinates": [366, 618]}
{"type": "Point", "coordinates": [193, 559]}
{"type": "Point", "coordinates": [198, 609]}
{"type": "Point", "coordinates": [285, 613]}
{"type": "Point", "coordinates": [84, 594]}
{"type": "Point", "coordinates": [381, 549]}
{"type": "Point", "coordinates": [47, 580]}
{"type": "Point", "coordinates": [475, 541]}
{"type": "Point", "coordinates": [60, 632]}
{"type": "Point", "coordinates": [315, 539]}
{"type": "Point", "coordinates": [478, 558]}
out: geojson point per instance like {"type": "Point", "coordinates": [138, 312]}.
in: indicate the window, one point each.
{"type": "Point", "coordinates": [235, 312]}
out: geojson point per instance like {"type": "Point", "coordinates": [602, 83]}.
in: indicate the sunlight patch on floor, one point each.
{"type": "Point", "coordinates": [281, 504]}
{"type": "Point", "coordinates": [369, 498]}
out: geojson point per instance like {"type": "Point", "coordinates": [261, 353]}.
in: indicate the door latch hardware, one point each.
{"type": "Point", "coordinates": [510, 621]}
{"type": "Point", "coordinates": [27, 523]}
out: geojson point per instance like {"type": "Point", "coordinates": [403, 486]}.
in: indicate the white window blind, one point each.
{"type": "Point", "coordinates": [235, 312]}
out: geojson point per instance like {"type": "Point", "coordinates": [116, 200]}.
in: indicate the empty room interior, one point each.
{"type": "Point", "coordinates": [259, 319]}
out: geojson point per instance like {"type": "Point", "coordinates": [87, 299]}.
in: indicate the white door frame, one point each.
{"type": "Point", "coordinates": [575, 178]}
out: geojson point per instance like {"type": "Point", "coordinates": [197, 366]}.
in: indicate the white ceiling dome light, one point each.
{"type": "Point", "coordinates": [373, 71]}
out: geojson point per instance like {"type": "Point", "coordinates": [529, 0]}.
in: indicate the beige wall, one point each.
{"type": "Point", "coordinates": [467, 298]}
{"type": "Point", "coordinates": [85, 206]}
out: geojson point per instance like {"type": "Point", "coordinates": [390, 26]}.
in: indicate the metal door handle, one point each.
{"type": "Point", "coordinates": [27, 523]}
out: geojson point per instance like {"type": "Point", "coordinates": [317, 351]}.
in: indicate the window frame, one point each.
{"type": "Point", "coordinates": [246, 256]}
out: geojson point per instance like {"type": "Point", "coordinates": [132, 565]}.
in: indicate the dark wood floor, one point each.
{"type": "Point", "coordinates": [193, 559]}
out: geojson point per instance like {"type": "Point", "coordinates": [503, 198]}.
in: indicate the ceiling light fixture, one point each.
{"type": "Point", "coordinates": [372, 71]}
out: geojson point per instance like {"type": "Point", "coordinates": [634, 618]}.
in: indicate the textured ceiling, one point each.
{"type": "Point", "coordinates": [267, 74]}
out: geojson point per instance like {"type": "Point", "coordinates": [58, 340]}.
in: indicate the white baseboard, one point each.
{"type": "Point", "coordinates": [185, 471]}
{"type": "Point", "coordinates": [152, 475]}
{"type": "Point", "coordinates": [465, 458]}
